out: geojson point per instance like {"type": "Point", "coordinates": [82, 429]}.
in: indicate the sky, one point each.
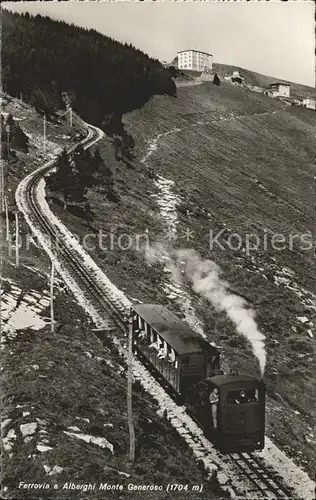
{"type": "Point", "coordinates": [273, 38]}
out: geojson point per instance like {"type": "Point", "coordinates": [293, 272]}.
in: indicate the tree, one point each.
{"type": "Point", "coordinates": [62, 179]}
{"type": "Point", "coordinates": [76, 173]}
{"type": "Point", "coordinates": [44, 101]}
{"type": "Point", "coordinates": [216, 80]}
{"type": "Point", "coordinates": [18, 140]}
{"type": "Point", "coordinates": [174, 71]}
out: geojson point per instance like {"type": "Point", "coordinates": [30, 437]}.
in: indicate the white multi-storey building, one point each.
{"type": "Point", "coordinates": [195, 60]}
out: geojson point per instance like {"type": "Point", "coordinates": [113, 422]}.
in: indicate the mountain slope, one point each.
{"type": "Point", "coordinates": [42, 59]}
{"type": "Point", "coordinates": [242, 166]}
{"type": "Point", "coordinates": [260, 80]}
{"type": "Point", "coordinates": [238, 163]}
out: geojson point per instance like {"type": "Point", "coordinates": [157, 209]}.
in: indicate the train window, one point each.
{"type": "Point", "coordinates": [186, 360]}
{"type": "Point", "coordinates": [242, 396]}
{"type": "Point", "coordinates": [152, 335]}
{"type": "Point", "coordinates": [148, 331]}
{"type": "Point", "coordinates": [141, 323]}
{"type": "Point", "coordinates": [171, 354]}
{"type": "Point", "coordinates": [142, 335]}
{"type": "Point", "coordinates": [162, 352]}
{"type": "Point", "coordinates": [165, 348]}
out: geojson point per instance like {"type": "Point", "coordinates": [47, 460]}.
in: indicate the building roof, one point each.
{"type": "Point", "coordinates": [176, 333]}
{"type": "Point", "coordinates": [279, 83]}
{"type": "Point", "coordinates": [193, 50]}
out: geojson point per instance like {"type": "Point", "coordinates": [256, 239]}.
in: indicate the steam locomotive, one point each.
{"type": "Point", "coordinates": [229, 408]}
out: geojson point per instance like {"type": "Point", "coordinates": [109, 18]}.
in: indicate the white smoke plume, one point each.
{"type": "Point", "coordinates": [158, 252]}
{"type": "Point", "coordinates": [204, 275]}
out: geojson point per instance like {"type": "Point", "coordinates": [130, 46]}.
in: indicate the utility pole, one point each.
{"type": "Point", "coordinates": [17, 238]}
{"type": "Point", "coordinates": [7, 227]}
{"type": "Point", "coordinates": [44, 134]}
{"type": "Point", "coordinates": [52, 276]}
{"type": "Point", "coordinates": [0, 294]}
{"type": "Point", "coordinates": [8, 140]}
{"type": "Point", "coordinates": [130, 392]}
{"type": "Point", "coordinates": [2, 184]}
{"type": "Point", "coordinates": [54, 244]}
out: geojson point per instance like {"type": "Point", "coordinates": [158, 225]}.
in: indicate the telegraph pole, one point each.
{"type": "Point", "coordinates": [8, 140]}
{"type": "Point", "coordinates": [7, 227]}
{"type": "Point", "coordinates": [52, 276]}
{"type": "Point", "coordinates": [17, 238]}
{"type": "Point", "coordinates": [0, 293]}
{"type": "Point", "coordinates": [44, 134]}
{"type": "Point", "coordinates": [130, 392]}
{"type": "Point", "coordinates": [54, 244]}
{"type": "Point", "coordinates": [2, 184]}
{"type": "Point", "coordinates": [2, 163]}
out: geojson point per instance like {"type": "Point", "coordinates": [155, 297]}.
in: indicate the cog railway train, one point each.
{"type": "Point", "coordinates": [229, 408]}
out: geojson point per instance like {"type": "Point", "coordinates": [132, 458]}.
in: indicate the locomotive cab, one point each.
{"type": "Point", "coordinates": [240, 413]}
{"type": "Point", "coordinates": [231, 410]}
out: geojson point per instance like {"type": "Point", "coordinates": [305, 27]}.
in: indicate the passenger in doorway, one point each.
{"type": "Point", "coordinates": [214, 404]}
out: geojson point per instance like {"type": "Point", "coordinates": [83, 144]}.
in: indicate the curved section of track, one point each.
{"type": "Point", "coordinates": [29, 187]}
{"type": "Point", "coordinates": [261, 482]}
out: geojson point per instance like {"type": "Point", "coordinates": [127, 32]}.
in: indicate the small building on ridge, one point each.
{"type": "Point", "coordinates": [280, 89]}
{"type": "Point", "coordinates": [309, 103]}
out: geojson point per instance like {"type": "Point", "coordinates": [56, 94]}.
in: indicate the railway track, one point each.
{"type": "Point", "coordinates": [264, 483]}
{"type": "Point", "coordinates": [104, 303]}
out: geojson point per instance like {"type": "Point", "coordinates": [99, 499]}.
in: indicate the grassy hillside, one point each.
{"type": "Point", "coordinates": [260, 80]}
{"type": "Point", "coordinates": [246, 137]}
{"type": "Point", "coordinates": [244, 163]}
